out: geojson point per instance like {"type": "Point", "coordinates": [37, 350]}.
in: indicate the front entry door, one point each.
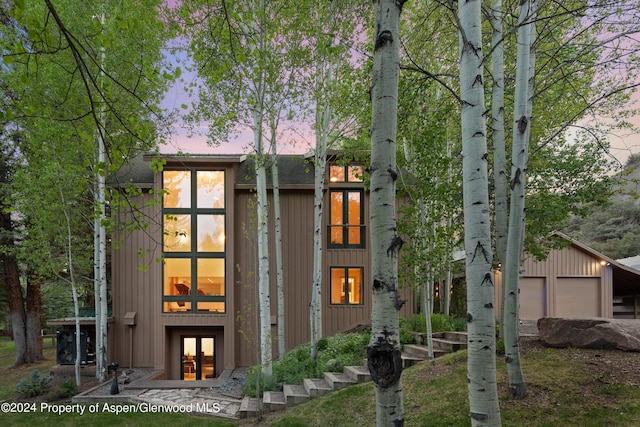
{"type": "Point", "coordinates": [198, 361]}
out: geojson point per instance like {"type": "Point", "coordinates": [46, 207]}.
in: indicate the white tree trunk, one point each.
{"type": "Point", "coordinates": [100, 261]}
{"type": "Point", "coordinates": [278, 237]}
{"type": "Point", "coordinates": [74, 292]}
{"type": "Point", "coordinates": [497, 122]}
{"type": "Point", "coordinates": [481, 366]}
{"type": "Point", "coordinates": [520, 152]}
{"type": "Point", "coordinates": [500, 178]}
{"type": "Point", "coordinates": [263, 263]}
{"type": "Point", "coordinates": [323, 120]}
{"type": "Point", "coordinates": [385, 363]}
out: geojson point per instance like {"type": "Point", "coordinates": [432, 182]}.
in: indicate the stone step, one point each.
{"type": "Point", "coordinates": [359, 374]}
{"type": "Point", "coordinates": [409, 360]}
{"type": "Point", "coordinates": [249, 407]}
{"type": "Point", "coordinates": [295, 394]}
{"type": "Point", "coordinates": [273, 401]}
{"type": "Point", "coordinates": [338, 380]}
{"type": "Point", "coordinates": [460, 337]}
{"type": "Point", "coordinates": [448, 346]}
{"type": "Point", "coordinates": [421, 351]}
{"type": "Point", "coordinates": [316, 386]}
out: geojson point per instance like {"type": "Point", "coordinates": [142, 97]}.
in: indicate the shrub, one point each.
{"type": "Point", "coordinates": [35, 385]}
{"type": "Point", "coordinates": [405, 333]}
{"type": "Point", "coordinates": [439, 323]}
{"type": "Point", "coordinates": [334, 353]}
{"type": "Point", "coordinates": [68, 389]}
{"type": "Point", "coordinates": [257, 383]}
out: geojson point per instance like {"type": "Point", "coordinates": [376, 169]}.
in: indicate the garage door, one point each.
{"type": "Point", "coordinates": [578, 297]}
{"type": "Point", "coordinates": [533, 298]}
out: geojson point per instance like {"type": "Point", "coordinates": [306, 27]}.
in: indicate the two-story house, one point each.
{"type": "Point", "coordinates": [184, 287]}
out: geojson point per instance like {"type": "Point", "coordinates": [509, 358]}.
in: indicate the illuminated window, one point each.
{"type": "Point", "coordinates": [346, 285]}
{"type": "Point", "coordinates": [194, 241]}
{"type": "Point", "coordinates": [349, 173]}
{"type": "Point", "coordinates": [346, 228]}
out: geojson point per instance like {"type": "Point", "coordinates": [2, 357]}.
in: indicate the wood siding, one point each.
{"type": "Point", "coordinates": [576, 283]}
{"type": "Point", "coordinates": [154, 341]}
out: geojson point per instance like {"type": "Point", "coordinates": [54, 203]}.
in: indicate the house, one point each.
{"type": "Point", "coordinates": [184, 286]}
{"type": "Point", "coordinates": [575, 281]}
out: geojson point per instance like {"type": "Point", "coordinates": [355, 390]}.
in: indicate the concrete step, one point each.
{"type": "Point", "coordinates": [249, 407]}
{"type": "Point", "coordinates": [295, 394]}
{"type": "Point", "coordinates": [273, 401]}
{"type": "Point", "coordinates": [316, 386]}
{"type": "Point", "coordinates": [359, 374]}
{"type": "Point", "coordinates": [338, 380]}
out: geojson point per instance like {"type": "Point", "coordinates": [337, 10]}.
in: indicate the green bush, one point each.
{"type": "Point", "coordinates": [439, 323]}
{"type": "Point", "coordinates": [334, 353]}
{"type": "Point", "coordinates": [68, 389]}
{"type": "Point", "coordinates": [35, 385]}
{"type": "Point", "coordinates": [405, 333]}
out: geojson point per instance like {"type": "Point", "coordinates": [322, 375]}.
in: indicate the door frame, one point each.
{"type": "Point", "coordinates": [197, 355]}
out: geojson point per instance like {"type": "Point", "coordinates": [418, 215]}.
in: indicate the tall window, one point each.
{"type": "Point", "coordinates": [346, 229]}
{"type": "Point", "coordinates": [194, 241]}
{"type": "Point", "coordinates": [346, 285]}
{"type": "Point", "coordinates": [346, 209]}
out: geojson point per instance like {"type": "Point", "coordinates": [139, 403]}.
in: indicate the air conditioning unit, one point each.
{"type": "Point", "coordinates": [66, 347]}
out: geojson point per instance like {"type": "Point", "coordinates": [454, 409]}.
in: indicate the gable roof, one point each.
{"type": "Point", "coordinates": [625, 279]}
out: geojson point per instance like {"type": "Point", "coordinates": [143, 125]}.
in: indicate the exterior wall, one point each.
{"type": "Point", "coordinates": [135, 290]}
{"type": "Point", "coordinates": [155, 339]}
{"type": "Point", "coordinates": [575, 284]}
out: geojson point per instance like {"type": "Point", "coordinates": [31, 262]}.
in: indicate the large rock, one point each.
{"type": "Point", "coordinates": [590, 333]}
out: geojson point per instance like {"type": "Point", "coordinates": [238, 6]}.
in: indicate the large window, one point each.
{"type": "Point", "coordinates": [346, 285]}
{"type": "Point", "coordinates": [346, 209]}
{"type": "Point", "coordinates": [194, 241]}
{"type": "Point", "coordinates": [346, 228]}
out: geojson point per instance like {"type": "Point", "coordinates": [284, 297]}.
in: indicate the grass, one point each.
{"type": "Point", "coordinates": [564, 389]}
{"type": "Point", "coordinates": [9, 378]}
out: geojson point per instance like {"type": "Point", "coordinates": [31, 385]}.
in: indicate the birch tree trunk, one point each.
{"type": "Point", "coordinates": [497, 121]}
{"type": "Point", "coordinates": [384, 361]}
{"type": "Point", "coordinates": [520, 152]}
{"type": "Point", "coordinates": [481, 366]}
{"type": "Point", "coordinates": [101, 306]}
{"type": "Point", "coordinates": [74, 290]}
{"type": "Point", "coordinates": [278, 237]}
{"type": "Point", "coordinates": [323, 115]}
{"type": "Point", "coordinates": [501, 195]}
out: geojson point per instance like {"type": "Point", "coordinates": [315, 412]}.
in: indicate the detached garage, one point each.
{"type": "Point", "coordinates": [576, 282]}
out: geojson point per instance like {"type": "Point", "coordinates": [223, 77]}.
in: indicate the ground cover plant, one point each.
{"type": "Point", "coordinates": [566, 387]}
{"type": "Point", "coordinates": [336, 352]}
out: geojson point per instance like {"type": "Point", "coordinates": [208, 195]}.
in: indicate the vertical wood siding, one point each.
{"type": "Point", "coordinates": [570, 275]}
{"type": "Point", "coordinates": [156, 336]}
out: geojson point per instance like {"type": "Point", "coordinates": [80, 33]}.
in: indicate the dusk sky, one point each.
{"type": "Point", "coordinates": [623, 143]}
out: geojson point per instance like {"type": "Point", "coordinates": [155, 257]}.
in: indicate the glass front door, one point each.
{"type": "Point", "coordinates": [198, 361]}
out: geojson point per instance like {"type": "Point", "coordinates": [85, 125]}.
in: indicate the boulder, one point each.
{"type": "Point", "coordinates": [599, 333]}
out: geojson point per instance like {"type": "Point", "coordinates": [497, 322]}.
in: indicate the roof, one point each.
{"type": "Point", "coordinates": [633, 262]}
{"type": "Point", "coordinates": [293, 170]}
{"type": "Point", "coordinates": [625, 278]}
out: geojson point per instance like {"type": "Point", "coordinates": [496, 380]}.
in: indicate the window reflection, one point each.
{"type": "Point", "coordinates": [177, 186]}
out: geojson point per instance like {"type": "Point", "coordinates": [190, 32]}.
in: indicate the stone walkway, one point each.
{"type": "Point", "coordinates": [220, 397]}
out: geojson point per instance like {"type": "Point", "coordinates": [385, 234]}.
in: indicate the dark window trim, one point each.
{"type": "Point", "coordinates": [194, 254]}
{"type": "Point", "coordinates": [345, 215]}
{"type": "Point", "coordinates": [346, 289]}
